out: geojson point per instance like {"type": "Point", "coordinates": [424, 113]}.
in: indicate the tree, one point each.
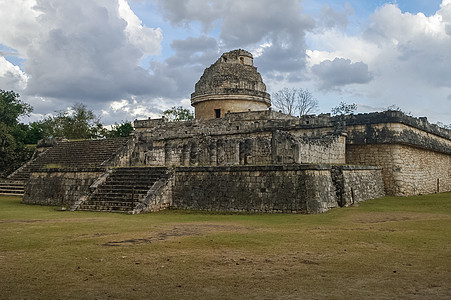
{"type": "Point", "coordinates": [34, 133]}
{"type": "Point", "coordinates": [344, 108]}
{"type": "Point", "coordinates": [295, 101]}
{"type": "Point", "coordinates": [13, 152]}
{"type": "Point", "coordinates": [11, 108]}
{"type": "Point", "coordinates": [178, 114]}
{"type": "Point", "coordinates": [76, 123]}
{"type": "Point", "coordinates": [121, 130]}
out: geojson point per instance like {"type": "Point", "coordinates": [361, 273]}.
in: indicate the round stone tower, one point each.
{"type": "Point", "coordinates": [232, 84]}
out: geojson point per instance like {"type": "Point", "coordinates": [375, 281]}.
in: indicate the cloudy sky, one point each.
{"type": "Point", "coordinates": [133, 59]}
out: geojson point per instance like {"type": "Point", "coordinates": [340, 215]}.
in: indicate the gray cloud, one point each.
{"type": "Point", "coordinates": [86, 55]}
{"type": "Point", "coordinates": [245, 24]}
{"type": "Point", "coordinates": [340, 72]}
{"type": "Point", "coordinates": [330, 18]}
{"type": "Point", "coordinates": [408, 43]}
{"type": "Point", "coordinates": [175, 77]}
{"type": "Point", "coordinates": [283, 27]}
{"type": "Point", "coordinates": [183, 12]}
{"type": "Point", "coordinates": [11, 81]}
{"type": "Point", "coordinates": [448, 29]}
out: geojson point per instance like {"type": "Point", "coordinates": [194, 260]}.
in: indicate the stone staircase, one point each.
{"type": "Point", "coordinates": [11, 188]}
{"type": "Point", "coordinates": [70, 154]}
{"type": "Point", "coordinates": [123, 189]}
{"type": "Point", "coordinates": [77, 154]}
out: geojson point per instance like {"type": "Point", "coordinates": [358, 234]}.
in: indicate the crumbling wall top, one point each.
{"type": "Point", "coordinates": [394, 116]}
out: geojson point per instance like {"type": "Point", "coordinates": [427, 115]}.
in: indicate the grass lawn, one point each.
{"type": "Point", "coordinates": [384, 248]}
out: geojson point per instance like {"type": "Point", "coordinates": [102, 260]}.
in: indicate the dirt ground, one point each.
{"type": "Point", "coordinates": [385, 250]}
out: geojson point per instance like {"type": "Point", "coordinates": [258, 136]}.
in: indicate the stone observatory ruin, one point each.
{"type": "Point", "coordinates": [238, 155]}
{"type": "Point", "coordinates": [231, 84]}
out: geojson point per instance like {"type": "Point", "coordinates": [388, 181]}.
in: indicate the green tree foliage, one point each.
{"type": "Point", "coordinates": [344, 109]}
{"type": "Point", "coordinates": [121, 130]}
{"type": "Point", "coordinates": [11, 108]}
{"type": "Point", "coordinates": [178, 114]}
{"type": "Point", "coordinates": [76, 123]}
{"type": "Point", "coordinates": [34, 133]}
{"type": "Point", "coordinates": [295, 101]}
{"type": "Point", "coordinates": [13, 152]}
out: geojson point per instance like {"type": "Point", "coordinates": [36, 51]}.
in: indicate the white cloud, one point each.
{"type": "Point", "coordinates": [408, 56]}
{"type": "Point", "coordinates": [11, 76]}
{"type": "Point", "coordinates": [148, 40]}
{"type": "Point", "coordinates": [90, 51]}
{"type": "Point", "coordinates": [19, 26]}
{"type": "Point", "coordinates": [76, 51]}
{"type": "Point", "coordinates": [118, 105]}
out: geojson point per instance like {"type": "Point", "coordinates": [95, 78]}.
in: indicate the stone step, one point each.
{"type": "Point", "coordinates": [123, 189]}
{"type": "Point", "coordinates": [141, 176]}
{"type": "Point", "coordinates": [130, 183]}
{"type": "Point", "coordinates": [105, 208]}
{"type": "Point", "coordinates": [10, 194]}
{"type": "Point", "coordinates": [115, 197]}
{"type": "Point", "coordinates": [120, 193]}
{"type": "Point", "coordinates": [76, 154]}
{"type": "Point", "coordinates": [14, 183]}
{"type": "Point", "coordinates": [152, 170]}
{"type": "Point", "coordinates": [112, 203]}
{"type": "Point", "coordinates": [13, 188]}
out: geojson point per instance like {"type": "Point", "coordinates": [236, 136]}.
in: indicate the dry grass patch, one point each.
{"type": "Point", "coordinates": [385, 248]}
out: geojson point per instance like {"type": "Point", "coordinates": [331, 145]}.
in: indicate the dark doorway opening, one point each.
{"type": "Point", "coordinates": [218, 113]}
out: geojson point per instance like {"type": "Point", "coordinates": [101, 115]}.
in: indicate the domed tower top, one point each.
{"type": "Point", "coordinates": [232, 84]}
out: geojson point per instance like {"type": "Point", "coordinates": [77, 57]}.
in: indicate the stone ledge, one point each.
{"type": "Point", "coordinates": [241, 168]}
{"type": "Point", "coordinates": [67, 170]}
{"type": "Point", "coordinates": [395, 117]}
{"type": "Point", "coordinates": [357, 167]}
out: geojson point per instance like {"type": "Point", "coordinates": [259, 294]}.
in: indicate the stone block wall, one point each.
{"type": "Point", "coordinates": [158, 198]}
{"type": "Point", "coordinates": [406, 170]}
{"type": "Point", "coordinates": [251, 138]}
{"type": "Point", "coordinates": [225, 103]}
{"type": "Point", "coordinates": [415, 155]}
{"type": "Point", "coordinates": [259, 148]}
{"type": "Point", "coordinates": [355, 184]}
{"type": "Point", "coordinates": [59, 187]}
{"type": "Point", "coordinates": [291, 189]}
{"type": "Point", "coordinates": [122, 156]}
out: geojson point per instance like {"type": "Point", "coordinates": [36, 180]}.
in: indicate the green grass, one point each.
{"type": "Point", "coordinates": [384, 248]}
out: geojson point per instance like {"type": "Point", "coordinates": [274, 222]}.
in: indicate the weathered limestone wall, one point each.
{"type": "Point", "coordinates": [59, 187]}
{"type": "Point", "coordinates": [260, 148]}
{"type": "Point", "coordinates": [286, 147]}
{"type": "Point", "coordinates": [158, 198]}
{"type": "Point", "coordinates": [397, 133]}
{"type": "Point", "coordinates": [232, 84]}
{"type": "Point", "coordinates": [253, 138]}
{"type": "Point", "coordinates": [355, 184]}
{"type": "Point", "coordinates": [206, 109]}
{"type": "Point", "coordinates": [406, 170]}
{"type": "Point", "coordinates": [123, 156]}
{"type": "Point", "coordinates": [276, 188]}
{"type": "Point", "coordinates": [295, 189]}
{"type": "Point", "coordinates": [415, 155]}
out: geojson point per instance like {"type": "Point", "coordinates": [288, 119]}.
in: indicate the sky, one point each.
{"type": "Point", "coordinates": [133, 59]}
